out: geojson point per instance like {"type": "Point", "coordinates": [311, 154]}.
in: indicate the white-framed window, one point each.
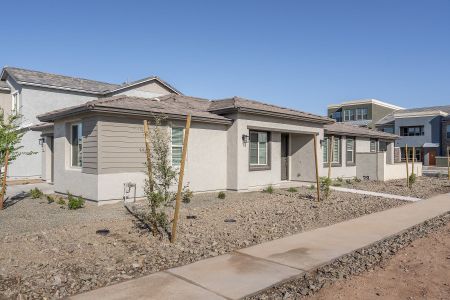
{"type": "Point", "coordinates": [15, 105]}
{"type": "Point", "coordinates": [373, 145]}
{"type": "Point", "coordinates": [76, 145]}
{"type": "Point", "coordinates": [177, 145]}
{"type": "Point", "coordinates": [350, 150]}
{"type": "Point", "coordinates": [362, 114]}
{"type": "Point", "coordinates": [336, 149]}
{"type": "Point", "coordinates": [349, 115]}
{"type": "Point", "coordinates": [258, 148]}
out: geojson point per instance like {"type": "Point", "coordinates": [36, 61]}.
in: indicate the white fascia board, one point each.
{"type": "Point", "coordinates": [401, 115]}
{"type": "Point", "coordinates": [366, 101]}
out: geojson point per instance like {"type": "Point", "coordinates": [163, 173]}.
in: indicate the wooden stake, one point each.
{"type": "Point", "coordinates": [317, 168]}
{"type": "Point", "coordinates": [413, 159]}
{"type": "Point", "coordinates": [2, 196]}
{"type": "Point", "coordinates": [407, 167]}
{"type": "Point", "coordinates": [180, 179]}
{"type": "Point", "coordinates": [330, 154]}
{"type": "Point", "coordinates": [147, 151]}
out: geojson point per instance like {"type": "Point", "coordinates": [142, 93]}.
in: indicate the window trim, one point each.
{"type": "Point", "coordinates": [376, 145]}
{"type": "Point", "coordinates": [421, 129]}
{"type": "Point", "coordinates": [352, 162]}
{"type": "Point", "coordinates": [80, 153]}
{"type": "Point", "coordinates": [260, 167]}
{"type": "Point", "coordinates": [176, 145]}
{"type": "Point", "coordinates": [15, 103]}
{"type": "Point", "coordinates": [327, 141]}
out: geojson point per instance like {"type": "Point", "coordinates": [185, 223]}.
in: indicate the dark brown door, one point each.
{"type": "Point", "coordinates": [284, 156]}
{"type": "Point", "coordinates": [432, 157]}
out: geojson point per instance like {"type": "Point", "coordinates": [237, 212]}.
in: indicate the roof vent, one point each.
{"type": "Point", "coordinates": [156, 99]}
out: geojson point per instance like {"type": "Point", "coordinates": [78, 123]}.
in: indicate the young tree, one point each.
{"type": "Point", "coordinates": [10, 148]}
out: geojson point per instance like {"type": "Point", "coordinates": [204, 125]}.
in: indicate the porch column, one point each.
{"type": "Point", "coordinates": [390, 153]}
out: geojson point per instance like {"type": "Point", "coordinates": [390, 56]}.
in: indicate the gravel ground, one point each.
{"type": "Point", "coordinates": [425, 187]}
{"type": "Point", "coordinates": [48, 251]}
{"type": "Point", "coordinates": [378, 256]}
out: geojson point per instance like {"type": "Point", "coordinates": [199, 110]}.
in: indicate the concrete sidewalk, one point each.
{"type": "Point", "coordinates": [251, 270]}
{"type": "Point", "coordinates": [377, 194]}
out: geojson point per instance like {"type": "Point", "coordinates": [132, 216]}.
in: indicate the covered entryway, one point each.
{"type": "Point", "coordinates": [431, 151]}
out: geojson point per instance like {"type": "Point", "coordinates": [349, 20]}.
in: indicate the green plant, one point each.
{"type": "Point", "coordinates": [312, 187]}
{"type": "Point", "coordinates": [186, 195]}
{"type": "Point", "coordinates": [340, 179]}
{"type": "Point", "coordinates": [336, 183]}
{"type": "Point", "coordinates": [292, 190]}
{"type": "Point", "coordinates": [268, 190]}
{"type": "Point", "coordinates": [412, 179]}
{"type": "Point", "coordinates": [348, 181]}
{"type": "Point", "coordinates": [325, 184]}
{"type": "Point", "coordinates": [36, 193]}
{"type": "Point", "coordinates": [50, 199]}
{"type": "Point", "coordinates": [356, 179]}
{"type": "Point", "coordinates": [75, 202]}
{"type": "Point", "coordinates": [61, 201]}
{"type": "Point", "coordinates": [221, 195]}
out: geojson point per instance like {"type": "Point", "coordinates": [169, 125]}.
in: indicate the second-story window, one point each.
{"type": "Point", "coordinates": [349, 115]}
{"type": "Point", "coordinates": [411, 131]}
{"type": "Point", "coordinates": [362, 114]}
{"type": "Point", "coordinates": [448, 131]}
{"type": "Point", "coordinates": [15, 106]}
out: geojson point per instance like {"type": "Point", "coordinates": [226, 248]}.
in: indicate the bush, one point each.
{"type": "Point", "coordinates": [61, 201]}
{"type": "Point", "coordinates": [75, 202]}
{"type": "Point", "coordinates": [325, 184]}
{"type": "Point", "coordinates": [356, 179]}
{"type": "Point", "coordinates": [221, 195]}
{"type": "Point", "coordinates": [348, 181]}
{"type": "Point", "coordinates": [187, 195]}
{"type": "Point", "coordinates": [336, 183]}
{"type": "Point", "coordinates": [268, 190]}
{"type": "Point", "coordinates": [412, 179]}
{"type": "Point", "coordinates": [312, 187]}
{"type": "Point", "coordinates": [292, 190]}
{"type": "Point", "coordinates": [50, 199]}
{"type": "Point", "coordinates": [36, 193]}
{"type": "Point", "coordinates": [340, 179]}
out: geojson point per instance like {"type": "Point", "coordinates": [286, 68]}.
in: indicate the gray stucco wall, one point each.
{"type": "Point", "coordinates": [431, 131]}
{"type": "Point", "coordinates": [5, 102]}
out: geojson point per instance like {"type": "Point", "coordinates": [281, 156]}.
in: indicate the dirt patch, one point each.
{"type": "Point", "coordinates": [425, 187]}
{"type": "Point", "coordinates": [49, 251]}
{"type": "Point", "coordinates": [417, 272]}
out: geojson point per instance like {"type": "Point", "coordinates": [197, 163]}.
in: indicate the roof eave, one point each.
{"type": "Point", "coordinates": [144, 81]}
{"type": "Point", "coordinates": [318, 120]}
{"type": "Point", "coordinates": [346, 133]}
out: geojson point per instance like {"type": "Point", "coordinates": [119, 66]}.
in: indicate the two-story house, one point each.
{"type": "Point", "coordinates": [364, 112]}
{"type": "Point", "coordinates": [30, 93]}
{"type": "Point", "coordinates": [426, 129]}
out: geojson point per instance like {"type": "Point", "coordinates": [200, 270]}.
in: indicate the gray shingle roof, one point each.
{"type": "Point", "coordinates": [353, 130]}
{"type": "Point", "coordinates": [237, 103]}
{"type": "Point", "coordinates": [4, 85]}
{"type": "Point", "coordinates": [24, 76]}
{"type": "Point", "coordinates": [172, 105]}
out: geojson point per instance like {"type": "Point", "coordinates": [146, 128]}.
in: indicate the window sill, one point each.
{"type": "Point", "coordinates": [350, 164]}
{"type": "Point", "coordinates": [333, 165]}
{"type": "Point", "coordinates": [259, 168]}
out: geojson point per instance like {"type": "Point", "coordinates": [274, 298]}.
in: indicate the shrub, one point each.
{"type": "Point", "coordinates": [356, 179]}
{"type": "Point", "coordinates": [50, 199]}
{"type": "Point", "coordinates": [325, 184]}
{"type": "Point", "coordinates": [186, 195]}
{"type": "Point", "coordinates": [348, 181]}
{"type": "Point", "coordinates": [292, 190]}
{"type": "Point", "coordinates": [340, 179]}
{"type": "Point", "coordinates": [61, 201]}
{"type": "Point", "coordinates": [36, 193]}
{"type": "Point", "coordinates": [412, 179]}
{"type": "Point", "coordinates": [268, 190]}
{"type": "Point", "coordinates": [221, 195]}
{"type": "Point", "coordinates": [312, 187]}
{"type": "Point", "coordinates": [75, 202]}
{"type": "Point", "coordinates": [336, 183]}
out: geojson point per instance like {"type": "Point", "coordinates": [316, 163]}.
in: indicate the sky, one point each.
{"type": "Point", "coordinates": [298, 54]}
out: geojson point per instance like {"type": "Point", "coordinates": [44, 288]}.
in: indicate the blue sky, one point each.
{"type": "Point", "coordinates": [300, 54]}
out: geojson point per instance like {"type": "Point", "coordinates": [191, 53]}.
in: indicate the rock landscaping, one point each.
{"type": "Point", "coordinates": [424, 187]}
{"type": "Point", "coordinates": [354, 263]}
{"type": "Point", "coordinates": [49, 251]}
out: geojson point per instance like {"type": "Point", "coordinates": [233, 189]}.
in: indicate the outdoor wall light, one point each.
{"type": "Point", "coordinates": [41, 141]}
{"type": "Point", "coordinates": [245, 138]}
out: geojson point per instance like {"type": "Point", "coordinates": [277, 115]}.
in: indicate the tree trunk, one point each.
{"type": "Point", "coordinates": [2, 196]}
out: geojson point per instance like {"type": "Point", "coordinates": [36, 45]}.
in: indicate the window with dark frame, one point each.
{"type": "Point", "coordinates": [350, 150]}
{"type": "Point", "coordinates": [412, 131]}
{"type": "Point", "coordinates": [259, 149]}
{"type": "Point", "coordinates": [336, 149]}
{"type": "Point", "coordinates": [76, 143]}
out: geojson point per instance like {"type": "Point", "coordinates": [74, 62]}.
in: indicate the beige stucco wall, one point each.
{"type": "Point", "coordinates": [147, 90]}
{"type": "Point", "coordinates": [5, 102]}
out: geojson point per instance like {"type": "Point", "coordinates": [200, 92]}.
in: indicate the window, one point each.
{"type": "Point", "coordinates": [15, 103]}
{"type": "Point", "coordinates": [349, 115]}
{"type": "Point", "coordinates": [258, 148]}
{"type": "Point", "coordinates": [411, 131]}
{"type": "Point", "coordinates": [76, 145]}
{"type": "Point", "coordinates": [362, 114]}
{"type": "Point", "coordinates": [448, 131]}
{"type": "Point", "coordinates": [388, 130]}
{"type": "Point", "coordinates": [350, 150]}
{"type": "Point", "coordinates": [418, 150]}
{"type": "Point", "coordinates": [336, 149]}
{"type": "Point", "coordinates": [373, 145]}
{"type": "Point", "coordinates": [382, 145]}
{"type": "Point", "coordinates": [177, 145]}
{"type": "Point", "coordinates": [337, 115]}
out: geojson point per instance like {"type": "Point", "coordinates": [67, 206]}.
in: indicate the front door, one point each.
{"type": "Point", "coordinates": [432, 157]}
{"type": "Point", "coordinates": [284, 156]}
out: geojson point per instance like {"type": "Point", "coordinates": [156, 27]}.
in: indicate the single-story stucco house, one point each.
{"type": "Point", "coordinates": [234, 144]}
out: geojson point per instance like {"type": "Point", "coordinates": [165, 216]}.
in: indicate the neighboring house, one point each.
{"type": "Point", "coordinates": [234, 144]}
{"type": "Point", "coordinates": [30, 93]}
{"type": "Point", "coordinates": [364, 112]}
{"type": "Point", "coordinates": [423, 128]}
